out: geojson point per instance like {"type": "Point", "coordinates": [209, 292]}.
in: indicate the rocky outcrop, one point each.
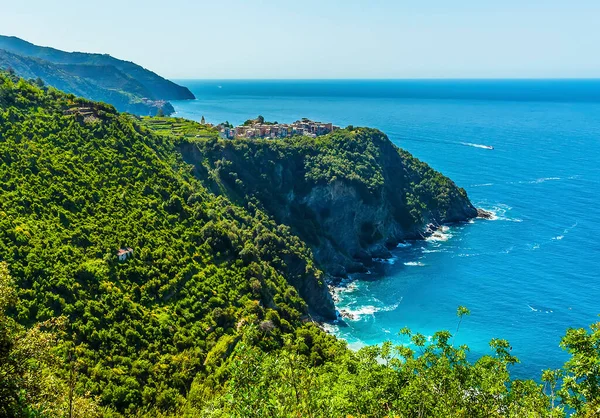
{"type": "Point", "coordinates": [484, 214]}
{"type": "Point", "coordinates": [352, 196]}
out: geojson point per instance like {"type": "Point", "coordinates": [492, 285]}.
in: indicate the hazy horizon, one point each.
{"type": "Point", "coordinates": [324, 40]}
{"type": "Point", "coordinates": [391, 78]}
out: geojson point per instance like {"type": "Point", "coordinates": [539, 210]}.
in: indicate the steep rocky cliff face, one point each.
{"type": "Point", "coordinates": [351, 195]}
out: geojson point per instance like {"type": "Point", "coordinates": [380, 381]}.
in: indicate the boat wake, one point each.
{"type": "Point", "coordinates": [483, 146]}
{"type": "Point", "coordinates": [541, 310]}
{"type": "Point", "coordinates": [540, 180]}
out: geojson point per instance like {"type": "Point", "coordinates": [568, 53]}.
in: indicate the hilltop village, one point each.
{"type": "Point", "coordinates": [258, 128]}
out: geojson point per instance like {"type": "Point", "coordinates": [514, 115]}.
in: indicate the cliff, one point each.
{"type": "Point", "coordinates": [351, 195]}
{"type": "Point", "coordinates": [125, 85]}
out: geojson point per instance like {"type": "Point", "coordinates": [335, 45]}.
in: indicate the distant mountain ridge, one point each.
{"type": "Point", "coordinates": [101, 77]}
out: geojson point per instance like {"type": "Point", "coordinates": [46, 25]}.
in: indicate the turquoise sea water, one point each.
{"type": "Point", "coordinates": [526, 276]}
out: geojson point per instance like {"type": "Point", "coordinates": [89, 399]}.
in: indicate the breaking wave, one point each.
{"type": "Point", "coordinates": [440, 235]}
{"type": "Point", "coordinates": [356, 314]}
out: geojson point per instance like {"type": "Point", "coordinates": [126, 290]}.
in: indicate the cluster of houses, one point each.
{"type": "Point", "coordinates": [277, 130]}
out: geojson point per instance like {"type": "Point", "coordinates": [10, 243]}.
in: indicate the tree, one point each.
{"type": "Point", "coordinates": [460, 312]}
{"type": "Point", "coordinates": [160, 112]}
{"type": "Point", "coordinates": [581, 382]}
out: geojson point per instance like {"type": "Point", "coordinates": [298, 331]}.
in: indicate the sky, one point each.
{"type": "Point", "coordinates": [322, 39]}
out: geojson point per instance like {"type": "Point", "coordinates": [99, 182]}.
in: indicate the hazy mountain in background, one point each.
{"type": "Point", "coordinates": [126, 85]}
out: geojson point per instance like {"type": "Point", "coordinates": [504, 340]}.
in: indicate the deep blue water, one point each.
{"type": "Point", "coordinates": [526, 276]}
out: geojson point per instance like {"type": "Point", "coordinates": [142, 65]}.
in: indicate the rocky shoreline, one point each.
{"type": "Point", "coordinates": [335, 283]}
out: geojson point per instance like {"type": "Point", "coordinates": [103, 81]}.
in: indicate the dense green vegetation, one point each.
{"type": "Point", "coordinates": [209, 317]}
{"type": "Point", "coordinates": [350, 194]}
{"type": "Point", "coordinates": [123, 84]}
{"type": "Point", "coordinates": [324, 160]}
{"type": "Point", "coordinates": [74, 190]}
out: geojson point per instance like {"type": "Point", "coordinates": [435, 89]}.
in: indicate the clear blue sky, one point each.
{"type": "Point", "coordinates": [323, 38]}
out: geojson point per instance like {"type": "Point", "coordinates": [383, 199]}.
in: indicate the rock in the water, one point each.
{"type": "Point", "coordinates": [345, 314]}
{"type": "Point", "coordinates": [484, 214]}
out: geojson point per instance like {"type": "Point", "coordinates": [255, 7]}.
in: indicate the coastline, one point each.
{"type": "Point", "coordinates": [338, 285]}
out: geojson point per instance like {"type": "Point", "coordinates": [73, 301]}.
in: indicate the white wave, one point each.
{"type": "Point", "coordinates": [414, 264]}
{"type": "Point", "coordinates": [329, 328]}
{"type": "Point", "coordinates": [437, 250]}
{"type": "Point", "coordinates": [363, 310]}
{"type": "Point", "coordinates": [366, 310]}
{"type": "Point", "coordinates": [469, 144]}
{"type": "Point", "coordinates": [482, 185]}
{"type": "Point", "coordinates": [390, 307]}
{"type": "Point", "coordinates": [439, 236]}
{"type": "Point", "coordinates": [558, 238]}
{"type": "Point", "coordinates": [349, 288]}
{"type": "Point", "coordinates": [403, 245]}
{"type": "Point", "coordinates": [499, 212]}
{"type": "Point", "coordinates": [391, 260]}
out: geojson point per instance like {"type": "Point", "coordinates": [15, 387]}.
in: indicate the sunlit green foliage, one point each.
{"type": "Point", "coordinates": [419, 379]}
{"type": "Point", "coordinates": [206, 318]}
{"type": "Point", "coordinates": [30, 367]}
{"type": "Point", "coordinates": [274, 171]}
{"type": "Point", "coordinates": [77, 186]}
{"type": "Point", "coordinates": [179, 128]}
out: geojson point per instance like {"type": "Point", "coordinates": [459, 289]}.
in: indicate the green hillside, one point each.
{"type": "Point", "coordinates": [351, 195]}
{"type": "Point", "coordinates": [213, 313]}
{"type": "Point", "coordinates": [75, 189]}
{"type": "Point", "coordinates": [97, 77]}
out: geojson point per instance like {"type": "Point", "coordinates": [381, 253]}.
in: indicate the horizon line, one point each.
{"type": "Point", "coordinates": [393, 79]}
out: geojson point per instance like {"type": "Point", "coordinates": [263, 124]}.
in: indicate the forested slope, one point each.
{"type": "Point", "coordinates": [98, 77]}
{"type": "Point", "coordinates": [351, 195]}
{"type": "Point", "coordinates": [211, 316]}
{"type": "Point", "coordinates": [75, 186]}
{"type": "Point", "coordinates": [157, 86]}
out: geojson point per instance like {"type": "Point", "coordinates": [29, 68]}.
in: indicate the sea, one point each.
{"type": "Point", "coordinates": [527, 275]}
